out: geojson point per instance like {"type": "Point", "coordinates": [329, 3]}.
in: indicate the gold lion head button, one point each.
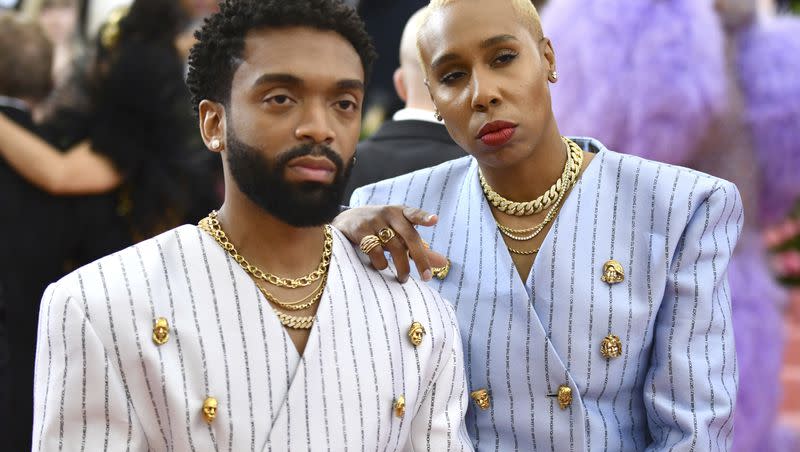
{"type": "Point", "coordinates": [564, 396]}
{"type": "Point", "coordinates": [210, 409]}
{"type": "Point", "coordinates": [415, 333]}
{"type": "Point", "coordinates": [611, 347]}
{"type": "Point", "coordinates": [441, 272]}
{"type": "Point", "coordinates": [161, 331]}
{"type": "Point", "coordinates": [613, 272]}
{"type": "Point", "coordinates": [481, 398]}
{"type": "Point", "coordinates": [399, 406]}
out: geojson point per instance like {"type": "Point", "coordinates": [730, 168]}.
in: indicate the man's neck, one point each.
{"type": "Point", "coordinates": [269, 243]}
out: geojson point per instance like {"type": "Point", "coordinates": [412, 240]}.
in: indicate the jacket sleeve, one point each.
{"type": "Point", "coordinates": [439, 423]}
{"type": "Point", "coordinates": [79, 398]}
{"type": "Point", "coordinates": [691, 385]}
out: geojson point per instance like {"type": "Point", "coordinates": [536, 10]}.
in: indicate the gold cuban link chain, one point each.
{"type": "Point", "coordinates": [568, 177]}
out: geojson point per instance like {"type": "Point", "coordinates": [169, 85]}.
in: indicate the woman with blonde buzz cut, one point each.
{"type": "Point", "coordinates": [590, 286]}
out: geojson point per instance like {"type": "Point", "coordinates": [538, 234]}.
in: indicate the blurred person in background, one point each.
{"type": "Point", "coordinates": [713, 86]}
{"type": "Point", "coordinates": [385, 22]}
{"type": "Point", "coordinates": [139, 140]}
{"type": "Point", "coordinates": [414, 138]}
{"type": "Point", "coordinates": [33, 225]}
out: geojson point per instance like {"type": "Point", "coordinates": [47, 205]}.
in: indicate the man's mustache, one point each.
{"type": "Point", "coordinates": [315, 150]}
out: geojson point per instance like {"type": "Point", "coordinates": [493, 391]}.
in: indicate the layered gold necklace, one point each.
{"type": "Point", "coordinates": [211, 225]}
{"type": "Point", "coordinates": [572, 168]}
{"type": "Point", "coordinates": [552, 199]}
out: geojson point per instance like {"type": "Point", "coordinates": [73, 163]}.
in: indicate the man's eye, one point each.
{"type": "Point", "coordinates": [278, 100]}
{"type": "Point", "coordinates": [346, 105]}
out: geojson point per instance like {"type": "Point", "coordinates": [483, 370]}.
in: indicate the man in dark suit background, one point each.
{"type": "Point", "coordinates": [413, 139]}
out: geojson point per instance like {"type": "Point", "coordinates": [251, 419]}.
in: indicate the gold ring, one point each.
{"type": "Point", "coordinates": [441, 272]}
{"type": "Point", "coordinates": [369, 243]}
{"type": "Point", "coordinates": [386, 234]}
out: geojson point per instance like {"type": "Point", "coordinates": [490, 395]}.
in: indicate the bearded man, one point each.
{"type": "Point", "coordinates": [260, 327]}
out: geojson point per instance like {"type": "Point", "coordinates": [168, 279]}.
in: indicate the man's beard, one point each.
{"type": "Point", "coordinates": [263, 181]}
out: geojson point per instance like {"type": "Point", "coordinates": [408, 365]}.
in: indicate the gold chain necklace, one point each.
{"type": "Point", "coordinates": [303, 303]}
{"type": "Point", "coordinates": [211, 225]}
{"type": "Point", "coordinates": [568, 177]}
{"type": "Point", "coordinates": [536, 230]}
{"type": "Point", "coordinates": [523, 253]}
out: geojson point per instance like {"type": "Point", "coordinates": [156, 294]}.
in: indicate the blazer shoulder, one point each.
{"type": "Point", "coordinates": [701, 185]}
{"type": "Point", "coordinates": [392, 191]}
{"type": "Point", "coordinates": [91, 281]}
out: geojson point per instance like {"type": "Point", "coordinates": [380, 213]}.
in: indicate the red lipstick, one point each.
{"type": "Point", "coordinates": [497, 133]}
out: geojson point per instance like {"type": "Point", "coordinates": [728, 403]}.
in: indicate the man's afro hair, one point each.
{"type": "Point", "coordinates": [220, 42]}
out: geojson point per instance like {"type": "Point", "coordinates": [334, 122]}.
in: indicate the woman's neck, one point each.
{"type": "Point", "coordinates": [531, 177]}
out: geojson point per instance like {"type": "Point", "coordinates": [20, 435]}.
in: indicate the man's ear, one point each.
{"type": "Point", "coordinates": [212, 124]}
{"type": "Point", "coordinates": [399, 79]}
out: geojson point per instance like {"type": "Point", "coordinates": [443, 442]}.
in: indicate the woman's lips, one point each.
{"type": "Point", "coordinates": [498, 137]}
{"type": "Point", "coordinates": [497, 133]}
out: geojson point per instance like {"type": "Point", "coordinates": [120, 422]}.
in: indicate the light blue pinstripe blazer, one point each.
{"type": "Point", "coordinates": [672, 229]}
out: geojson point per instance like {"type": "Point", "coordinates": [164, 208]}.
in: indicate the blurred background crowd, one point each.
{"type": "Point", "coordinates": [99, 147]}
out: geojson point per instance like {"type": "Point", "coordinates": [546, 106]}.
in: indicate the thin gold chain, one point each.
{"type": "Point", "coordinates": [568, 177]}
{"type": "Point", "coordinates": [303, 303]}
{"type": "Point", "coordinates": [211, 225]}
{"type": "Point", "coordinates": [522, 252]}
{"type": "Point", "coordinates": [537, 229]}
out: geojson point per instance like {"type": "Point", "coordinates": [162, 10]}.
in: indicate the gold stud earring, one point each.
{"type": "Point", "coordinates": [437, 115]}
{"type": "Point", "coordinates": [215, 144]}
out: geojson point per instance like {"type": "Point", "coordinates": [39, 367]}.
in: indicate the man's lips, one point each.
{"type": "Point", "coordinates": [497, 133]}
{"type": "Point", "coordinates": [316, 169]}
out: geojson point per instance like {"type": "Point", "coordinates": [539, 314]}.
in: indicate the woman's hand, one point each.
{"type": "Point", "coordinates": [359, 222]}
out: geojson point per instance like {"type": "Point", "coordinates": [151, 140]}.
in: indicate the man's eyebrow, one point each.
{"type": "Point", "coordinates": [350, 84]}
{"type": "Point", "coordinates": [494, 40]}
{"type": "Point", "coordinates": [286, 79]}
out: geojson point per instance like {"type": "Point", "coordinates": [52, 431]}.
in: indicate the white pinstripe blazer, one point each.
{"type": "Point", "coordinates": [671, 228]}
{"type": "Point", "coordinates": [103, 384]}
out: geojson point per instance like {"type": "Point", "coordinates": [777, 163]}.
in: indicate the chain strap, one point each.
{"type": "Point", "coordinates": [211, 225]}
{"type": "Point", "coordinates": [568, 177]}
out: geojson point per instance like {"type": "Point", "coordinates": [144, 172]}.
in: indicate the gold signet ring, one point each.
{"type": "Point", "coordinates": [386, 234]}
{"type": "Point", "coordinates": [369, 243]}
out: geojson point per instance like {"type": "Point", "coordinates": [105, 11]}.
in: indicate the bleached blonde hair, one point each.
{"type": "Point", "coordinates": [524, 8]}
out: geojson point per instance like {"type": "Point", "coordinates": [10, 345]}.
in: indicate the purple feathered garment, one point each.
{"type": "Point", "coordinates": [649, 78]}
{"type": "Point", "coordinates": [769, 69]}
{"type": "Point", "coordinates": [758, 330]}
{"type": "Point", "coordinates": [642, 76]}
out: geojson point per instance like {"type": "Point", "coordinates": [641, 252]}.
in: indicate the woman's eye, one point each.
{"type": "Point", "coordinates": [346, 105]}
{"type": "Point", "coordinates": [451, 77]}
{"type": "Point", "coordinates": [505, 58]}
